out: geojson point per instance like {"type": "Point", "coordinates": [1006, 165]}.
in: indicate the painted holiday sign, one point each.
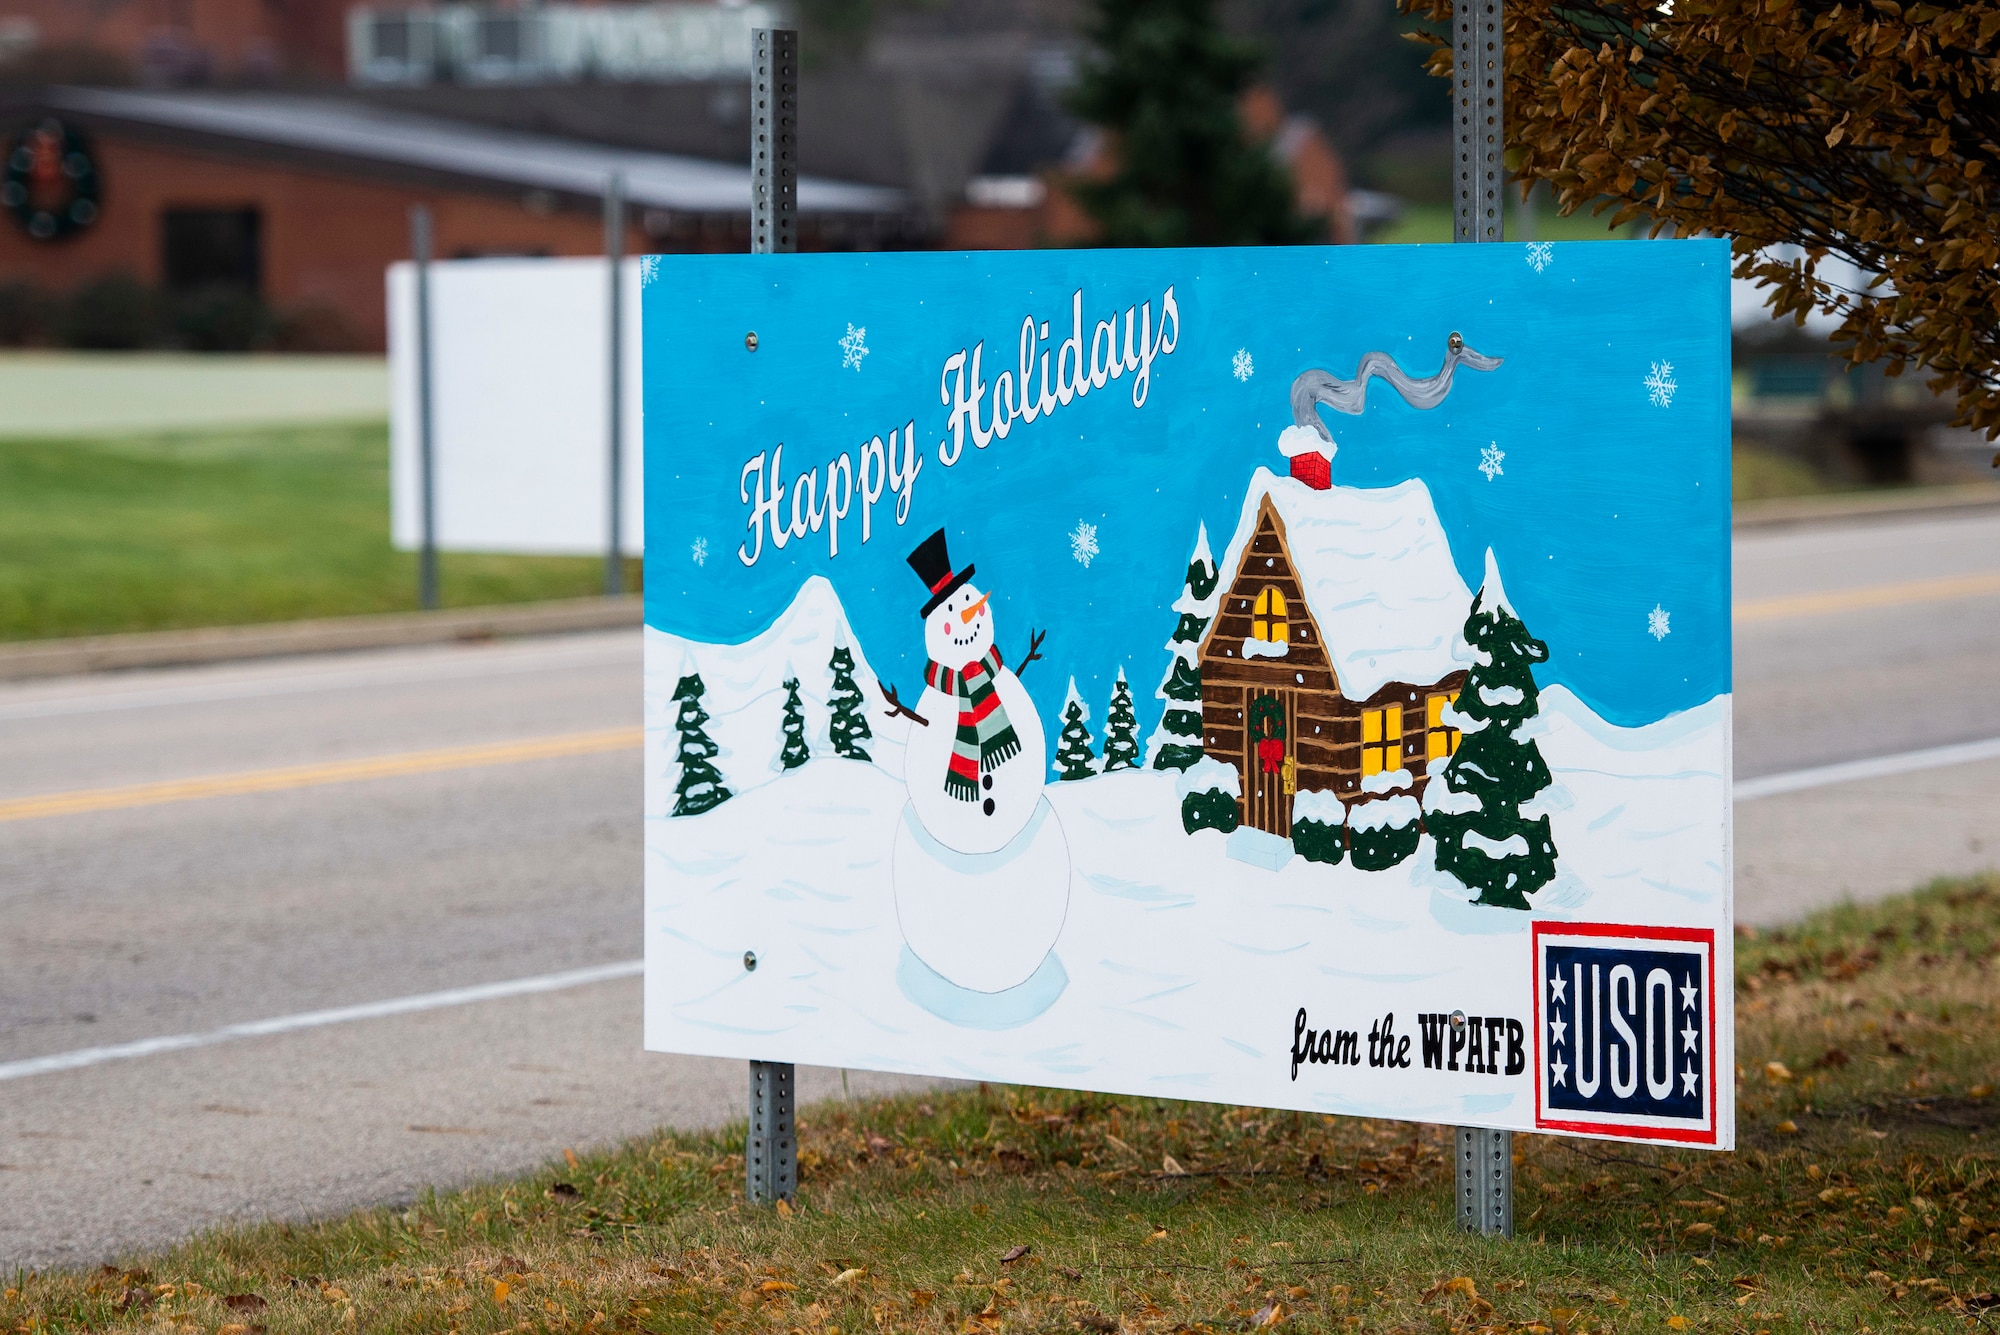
{"type": "Point", "coordinates": [1297, 678]}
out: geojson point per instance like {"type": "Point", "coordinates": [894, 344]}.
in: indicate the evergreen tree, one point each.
{"type": "Point", "coordinates": [796, 752]}
{"type": "Point", "coordinates": [1165, 87]}
{"type": "Point", "coordinates": [700, 785]}
{"type": "Point", "coordinates": [1074, 757]}
{"type": "Point", "coordinates": [1121, 729]}
{"type": "Point", "coordinates": [849, 726]}
{"type": "Point", "coordinates": [1474, 808]}
{"type": "Point", "coordinates": [1176, 743]}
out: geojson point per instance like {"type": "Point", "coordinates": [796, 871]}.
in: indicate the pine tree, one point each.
{"type": "Point", "coordinates": [1121, 729]}
{"type": "Point", "coordinates": [1165, 86]}
{"type": "Point", "coordinates": [1074, 757]}
{"type": "Point", "coordinates": [1176, 743]}
{"type": "Point", "coordinates": [700, 785]}
{"type": "Point", "coordinates": [849, 726]}
{"type": "Point", "coordinates": [1474, 808]}
{"type": "Point", "coordinates": [796, 752]}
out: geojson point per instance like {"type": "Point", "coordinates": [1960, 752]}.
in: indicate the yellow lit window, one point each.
{"type": "Point", "coordinates": [1439, 740]}
{"type": "Point", "coordinates": [1269, 623]}
{"type": "Point", "coordinates": [1381, 740]}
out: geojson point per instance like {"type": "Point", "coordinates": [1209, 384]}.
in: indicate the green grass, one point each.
{"type": "Point", "coordinates": [1759, 475]}
{"type": "Point", "coordinates": [1431, 223]}
{"type": "Point", "coordinates": [203, 529]}
{"type": "Point", "coordinates": [1864, 1196]}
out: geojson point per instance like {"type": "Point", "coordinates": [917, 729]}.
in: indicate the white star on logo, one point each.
{"type": "Point", "coordinates": [1688, 1036]}
{"type": "Point", "coordinates": [1557, 1069]}
{"type": "Point", "coordinates": [1689, 992]}
{"type": "Point", "coordinates": [1556, 985]}
{"type": "Point", "coordinates": [1687, 1081]}
{"type": "Point", "coordinates": [1556, 1028]}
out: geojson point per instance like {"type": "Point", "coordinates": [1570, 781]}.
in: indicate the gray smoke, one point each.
{"type": "Point", "coordinates": [1348, 396]}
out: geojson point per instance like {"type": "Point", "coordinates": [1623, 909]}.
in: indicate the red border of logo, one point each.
{"type": "Point", "coordinates": [1689, 1136]}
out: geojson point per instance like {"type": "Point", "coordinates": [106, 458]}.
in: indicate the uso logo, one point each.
{"type": "Point", "coordinates": [1625, 1030]}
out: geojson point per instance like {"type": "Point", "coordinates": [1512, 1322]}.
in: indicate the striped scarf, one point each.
{"type": "Point", "coordinates": [985, 737]}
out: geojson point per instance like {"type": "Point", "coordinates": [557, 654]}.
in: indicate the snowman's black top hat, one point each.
{"type": "Point", "coordinates": [933, 566]}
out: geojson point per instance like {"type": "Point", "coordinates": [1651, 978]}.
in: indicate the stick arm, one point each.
{"type": "Point", "coordinates": [1035, 638]}
{"type": "Point", "coordinates": [897, 709]}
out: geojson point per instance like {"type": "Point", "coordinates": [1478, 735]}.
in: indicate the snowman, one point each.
{"type": "Point", "coordinates": [981, 864]}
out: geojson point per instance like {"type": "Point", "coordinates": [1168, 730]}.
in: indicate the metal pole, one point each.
{"type": "Point", "coordinates": [427, 560]}
{"type": "Point", "coordinates": [1478, 48]}
{"type": "Point", "coordinates": [614, 254]}
{"type": "Point", "coordinates": [1485, 1158]}
{"type": "Point", "coordinates": [770, 1150]}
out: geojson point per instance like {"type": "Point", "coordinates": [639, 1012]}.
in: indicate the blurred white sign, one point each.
{"type": "Point", "coordinates": [520, 405]}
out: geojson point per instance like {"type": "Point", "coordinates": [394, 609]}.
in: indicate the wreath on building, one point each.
{"type": "Point", "coordinates": [51, 183]}
{"type": "Point", "coordinates": [1267, 730]}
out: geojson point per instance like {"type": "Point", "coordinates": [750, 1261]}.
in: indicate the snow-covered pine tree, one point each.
{"type": "Point", "coordinates": [796, 752]}
{"type": "Point", "coordinates": [700, 785]}
{"type": "Point", "coordinates": [1121, 729]}
{"type": "Point", "coordinates": [1176, 742]}
{"type": "Point", "coordinates": [1074, 759]}
{"type": "Point", "coordinates": [848, 728]}
{"type": "Point", "coordinates": [1473, 811]}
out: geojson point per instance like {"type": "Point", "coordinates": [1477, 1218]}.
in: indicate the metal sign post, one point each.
{"type": "Point", "coordinates": [427, 558]}
{"type": "Point", "coordinates": [614, 255]}
{"type": "Point", "coordinates": [770, 1148]}
{"type": "Point", "coordinates": [1484, 1158]}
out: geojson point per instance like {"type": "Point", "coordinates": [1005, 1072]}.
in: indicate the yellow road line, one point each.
{"type": "Point", "coordinates": [313, 776]}
{"type": "Point", "coordinates": [1872, 595]}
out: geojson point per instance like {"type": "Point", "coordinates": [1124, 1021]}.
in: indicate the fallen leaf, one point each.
{"type": "Point", "coordinates": [1013, 1254]}
{"type": "Point", "coordinates": [1700, 1230]}
{"type": "Point", "coordinates": [776, 1286]}
{"type": "Point", "coordinates": [244, 1302]}
{"type": "Point", "coordinates": [1156, 1235]}
{"type": "Point", "coordinates": [1677, 1322]}
{"type": "Point", "coordinates": [233, 1328]}
{"type": "Point", "coordinates": [849, 1275]}
{"type": "Point", "coordinates": [1979, 1092]}
{"type": "Point", "coordinates": [1092, 1319]}
{"type": "Point", "coordinates": [963, 1277]}
{"type": "Point", "coordinates": [921, 1297]}
{"type": "Point", "coordinates": [1447, 1287]}
{"type": "Point", "coordinates": [569, 1157]}
{"type": "Point", "coordinates": [1067, 1273]}
{"type": "Point", "coordinates": [1787, 1128]}
{"type": "Point", "coordinates": [137, 1298]}
{"type": "Point", "coordinates": [1270, 1314]}
{"type": "Point", "coordinates": [784, 1208]}
{"type": "Point", "coordinates": [1778, 1073]}
{"type": "Point", "coordinates": [501, 1288]}
{"type": "Point", "coordinates": [564, 1191]}
{"type": "Point", "coordinates": [1171, 1166]}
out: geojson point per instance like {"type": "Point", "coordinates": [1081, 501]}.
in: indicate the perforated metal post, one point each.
{"type": "Point", "coordinates": [614, 255]}
{"type": "Point", "coordinates": [774, 142]}
{"type": "Point", "coordinates": [771, 1150]}
{"type": "Point", "coordinates": [1478, 175]}
{"type": "Point", "coordinates": [1485, 1169]}
{"type": "Point", "coordinates": [1486, 1181]}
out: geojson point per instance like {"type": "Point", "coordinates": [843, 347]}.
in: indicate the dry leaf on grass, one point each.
{"type": "Point", "coordinates": [244, 1302]}
{"type": "Point", "coordinates": [849, 1275]}
{"type": "Point", "coordinates": [1014, 1253]}
{"type": "Point", "coordinates": [1461, 1286]}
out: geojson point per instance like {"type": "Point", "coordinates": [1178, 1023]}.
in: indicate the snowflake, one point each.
{"type": "Point", "coordinates": [1661, 385]}
{"type": "Point", "coordinates": [1241, 366]}
{"type": "Point", "coordinates": [1083, 543]}
{"type": "Point", "coordinates": [1489, 461]}
{"type": "Point", "coordinates": [699, 551]}
{"type": "Point", "coordinates": [1656, 623]}
{"type": "Point", "coordinates": [1540, 255]}
{"type": "Point", "coordinates": [853, 347]}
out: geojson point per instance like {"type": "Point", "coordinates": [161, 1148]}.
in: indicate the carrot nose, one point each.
{"type": "Point", "coordinates": [973, 610]}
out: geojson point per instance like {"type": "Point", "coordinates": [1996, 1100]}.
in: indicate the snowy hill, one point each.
{"type": "Point", "coordinates": [745, 693]}
{"type": "Point", "coordinates": [1377, 572]}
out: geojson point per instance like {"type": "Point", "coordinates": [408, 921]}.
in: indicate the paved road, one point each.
{"type": "Point", "coordinates": [129, 919]}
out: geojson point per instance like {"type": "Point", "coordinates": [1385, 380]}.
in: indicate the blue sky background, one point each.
{"type": "Point", "coordinates": [1608, 504]}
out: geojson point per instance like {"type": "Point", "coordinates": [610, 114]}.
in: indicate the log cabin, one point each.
{"type": "Point", "coordinates": [1335, 648]}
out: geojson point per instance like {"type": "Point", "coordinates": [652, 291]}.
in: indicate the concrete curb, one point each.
{"type": "Point", "coordinates": [1799, 510]}
{"type": "Point", "coordinates": [110, 653]}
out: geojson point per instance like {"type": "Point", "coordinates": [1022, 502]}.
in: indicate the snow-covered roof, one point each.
{"type": "Point", "coordinates": [1377, 573]}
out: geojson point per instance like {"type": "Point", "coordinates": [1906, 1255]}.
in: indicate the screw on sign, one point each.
{"type": "Point", "coordinates": [51, 182]}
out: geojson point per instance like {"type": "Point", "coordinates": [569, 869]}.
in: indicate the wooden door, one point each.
{"type": "Point", "coordinates": [1267, 806]}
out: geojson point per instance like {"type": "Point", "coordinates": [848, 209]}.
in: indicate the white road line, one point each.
{"type": "Point", "coordinates": [1748, 790]}
{"type": "Point", "coordinates": [1875, 767]}
{"type": "Point", "coordinates": [285, 1024]}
